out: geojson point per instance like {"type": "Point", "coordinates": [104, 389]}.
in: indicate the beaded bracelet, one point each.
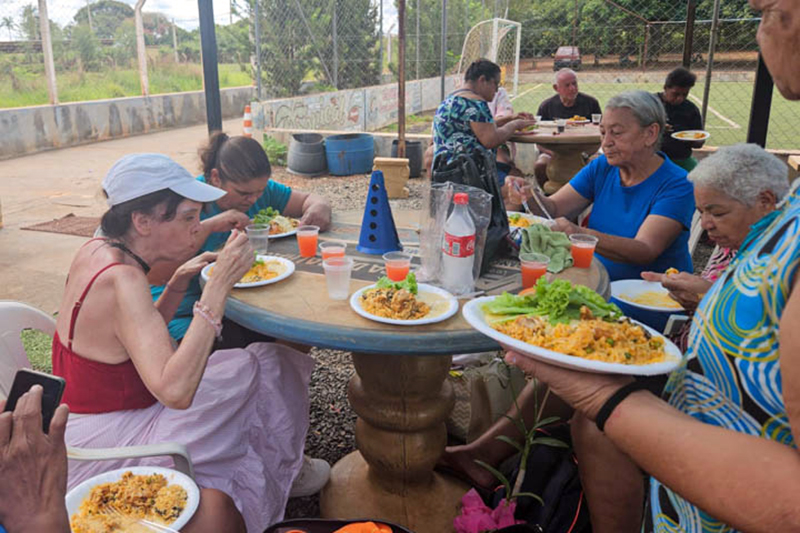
{"type": "Point", "coordinates": [608, 407]}
{"type": "Point", "coordinates": [206, 314]}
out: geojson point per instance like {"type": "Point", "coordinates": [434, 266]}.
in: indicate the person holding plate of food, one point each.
{"type": "Point", "coordinates": [240, 167]}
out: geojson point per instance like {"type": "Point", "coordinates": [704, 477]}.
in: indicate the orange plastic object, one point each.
{"type": "Point", "coordinates": [582, 256]}
{"type": "Point", "coordinates": [397, 273]}
{"type": "Point", "coordinates": [307, 245]}
{"type": "Point", "coordinates": [364, 527]}
{"type": "Point", "coordinates": [531, 273]}
{"type": "Point", "coordinates": [296, 531]}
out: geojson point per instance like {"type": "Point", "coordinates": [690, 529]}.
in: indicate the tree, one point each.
{"type": "Point", "coordinates": [30, 23]}
{"type": "Point", "coordinates": [9, 24]}
{"type": "Point", "coordinates": [87, 46]}
{"type": "Point", "coordinates": [107, 17]}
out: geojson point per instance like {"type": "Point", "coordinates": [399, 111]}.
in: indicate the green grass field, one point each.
{"type": "Point", "coordinates": [77, 86]}
{"type": "Point", "coordinates": [728, 113]}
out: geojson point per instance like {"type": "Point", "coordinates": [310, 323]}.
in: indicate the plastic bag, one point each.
{"type": "Point", "coordinates": [437, 206]}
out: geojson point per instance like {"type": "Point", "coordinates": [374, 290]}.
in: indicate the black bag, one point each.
{"type": "Point", "coordinates": [552, 474]}
{"type": "Point", "coordinates": [479, 170]}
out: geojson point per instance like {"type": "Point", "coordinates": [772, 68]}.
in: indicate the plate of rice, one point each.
{"type": "Point", "coordinates": [152, 493]}
{"type": "Point", "coordinates": [266, 269]}
{"type": "Point", "coordinates": [404, 303]}
{"type": "Point", "coordinates": [587, 333]}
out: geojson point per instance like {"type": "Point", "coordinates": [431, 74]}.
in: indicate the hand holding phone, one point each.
{"type": "Point", "coordinates": [53, 390]}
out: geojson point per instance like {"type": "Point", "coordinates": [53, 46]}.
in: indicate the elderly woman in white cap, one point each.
{"type": "Point", "coordinates": [242, 413]}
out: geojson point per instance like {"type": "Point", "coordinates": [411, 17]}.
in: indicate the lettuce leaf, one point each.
{"type": "Point", "coordinates": [265, 216]}
{"type": "Point", "coordinates": [560, 301]}
{"type": "Point", "coordinates": [409, 284]}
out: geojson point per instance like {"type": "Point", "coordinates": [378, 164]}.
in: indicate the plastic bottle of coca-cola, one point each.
{"type": "Point", "coordinates": [458, 248]}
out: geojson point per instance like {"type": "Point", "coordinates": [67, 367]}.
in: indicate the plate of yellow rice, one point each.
{"type": "Point", "coordinates": [590, 344]}
{"type": "Point", "coordinates": [266, 269]}
{"type": "Point", "coordinates": [152, 493]}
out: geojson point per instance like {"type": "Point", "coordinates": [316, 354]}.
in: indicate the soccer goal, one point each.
{"type": "Point", "coordinates": [497, 40]}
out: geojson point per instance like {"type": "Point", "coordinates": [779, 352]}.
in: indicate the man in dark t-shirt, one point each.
{"type": "Point", "coordinates": [682, 115]}
{"type": "Point", "coordinates": [567, 103]}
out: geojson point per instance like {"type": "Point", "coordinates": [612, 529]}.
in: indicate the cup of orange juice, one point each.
{"type": "Point", "coordinates": [307, 240]}
{"type": "Point", "coordinates": [330, 249]}
{"type": "Point", "coordinates": [583, 246]}
{"type": "Point", "coordinates": [532, 266]}
{"type": "Point", "coordinates": [398, 265]}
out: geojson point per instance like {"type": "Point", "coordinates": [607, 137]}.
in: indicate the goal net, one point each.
{"type": "Point", "coordinates": [497, 40]}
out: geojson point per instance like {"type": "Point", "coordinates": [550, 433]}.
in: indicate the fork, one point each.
{"type": "Point", "coordinates": [154, 526]}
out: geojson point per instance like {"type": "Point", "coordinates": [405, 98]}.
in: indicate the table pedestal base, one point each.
{"type": "Point", "coordinates": [353, 493]}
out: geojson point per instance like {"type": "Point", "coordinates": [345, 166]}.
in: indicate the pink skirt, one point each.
{"type": "Point", "coordinates": [245, 429]}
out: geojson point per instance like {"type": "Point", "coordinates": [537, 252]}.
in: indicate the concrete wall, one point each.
{"type": "Point", "coordinates": [26, 130]}
{"type": "Point", "coordinates": [364, 109]}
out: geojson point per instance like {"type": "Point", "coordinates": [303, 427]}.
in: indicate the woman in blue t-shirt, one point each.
{"type": "Point", "coordinates": [240, 167]}
{"type": "Point", "coordinates": [642, 203]}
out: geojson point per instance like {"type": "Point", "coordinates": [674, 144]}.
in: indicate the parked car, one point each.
{"type": "Point", "coordinates": [567, 57]}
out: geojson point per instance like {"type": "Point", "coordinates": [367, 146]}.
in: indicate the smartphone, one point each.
{"type": "Point", "coordinates": [53, 389]}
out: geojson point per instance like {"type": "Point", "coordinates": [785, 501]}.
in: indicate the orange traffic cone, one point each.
{"type": "Point", "coordinates": [247, 129]}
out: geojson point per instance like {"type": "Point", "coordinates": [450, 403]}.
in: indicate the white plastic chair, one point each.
{"type": "Point", "coordinates": [16, 317]}
{"type": "Point", "coordinates": [695, 232]}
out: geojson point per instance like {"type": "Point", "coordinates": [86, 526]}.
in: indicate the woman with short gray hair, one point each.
{"type": "Point", "coordinates": [642, 202]}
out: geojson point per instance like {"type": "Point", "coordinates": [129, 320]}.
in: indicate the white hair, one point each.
{"type": "Point", "coordinates": [564, 71]}
{"type": "Point", "coordinates": [742, 171]}
{"type": "Point", "coordinates": [645, 106]}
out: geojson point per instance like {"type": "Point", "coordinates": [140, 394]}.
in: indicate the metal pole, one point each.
{"type": "Point", "coordinates": [380, 39]}
{"type": "Point", "coordinates": [760, 106]}
{"type": "Point", "coordinates": [646, 46]}
{"type": "Point", "coordinates": [443, 55]}
{"type": "Point", "coordinates": [335, 49]}
{"type": "Point", "coordinates": [401, 82]}
{"type": "Point", "coordinates": [688, 33]}
{"type": "Point", "coordinates": [208, 47]}
{"type": "Point", "coordinates": [47, 49]}
{"type": "Point", "coordinates": [575, 26]}
{"type": "Point", "coordinates": [516, 58]}
{"type": "Point", "coordinates": [258, 47]}
{"type": "Point", "coordinates": [175, 42]}
{"type": "Point", "coordinates": [712, 45]}
{"type": "Point", "coordinates": [417, 47]}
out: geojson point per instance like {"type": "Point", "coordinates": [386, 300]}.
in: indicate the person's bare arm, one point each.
{"type": "Point", "coordinates": [173, 376]}
{"type": "Point", "coordinates": [654, 236]}
{"type": "Point", "coordinates": [175, 289]}
{"type": "Point", "coordinates": [750, 483]}
{"type": "Point", "coordinates": [566, 202]}
{"type": "Point", "coordinates": [492, 136]}
{"type": "Point", "coordinates": [310, 208]}
{"type": "Point", "coordinates": [222, 223]}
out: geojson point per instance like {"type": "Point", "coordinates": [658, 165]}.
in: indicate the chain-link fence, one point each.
{"type": "Point", "coordinates": [314, 46]}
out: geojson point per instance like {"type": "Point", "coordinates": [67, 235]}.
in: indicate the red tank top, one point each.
{"type": "Point", "coordinates": [92, 386]}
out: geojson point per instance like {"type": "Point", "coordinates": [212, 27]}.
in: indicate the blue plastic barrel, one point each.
{"type": "Point", "coordinates": [351, 153]}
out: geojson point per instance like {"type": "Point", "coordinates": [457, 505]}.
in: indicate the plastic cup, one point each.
{"type": "Point", "coordinates": [596, 118]}
{"type": "Point", "coordinates": [337, 276]}
{"type": "Point", "coordinates": [330, 249]}
{"type": "Point", "coordinates": [538, 118]}
{"type": "Point", "coordinates": [259, 237]}
{"type": "Point", "coordinates": [307, 240]}
{"type": "Point", "coordinates": [561, 124]}
{"type": "Point", "coordinates": [398, 265]}
{"type": "Point", "coordinates": [583, 246]}
{"type": "Point", "coordinates": [532, 266]}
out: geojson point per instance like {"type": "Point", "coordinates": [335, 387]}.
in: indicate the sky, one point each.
{"type": "Point", "coordinates": [185, 12]}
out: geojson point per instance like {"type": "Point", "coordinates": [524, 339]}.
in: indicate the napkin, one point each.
{"type": "Point", "coordinates": [538, 238]}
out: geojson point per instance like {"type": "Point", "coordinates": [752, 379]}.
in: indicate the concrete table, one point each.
{"type": "Point", "coordinates": [567, 149]}
{"type": "Point", "coordinates": [399, 391]}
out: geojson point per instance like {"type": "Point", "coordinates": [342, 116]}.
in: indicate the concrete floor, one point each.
{"type": "Point", "coordinates": [42, 187]}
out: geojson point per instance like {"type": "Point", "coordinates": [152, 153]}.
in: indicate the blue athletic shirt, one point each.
{"type": "Point", "coordinates": [275, 195]}
{"type": "Point", "coordinates": [620, 211]}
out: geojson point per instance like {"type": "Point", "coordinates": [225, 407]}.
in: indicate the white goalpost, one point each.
{"type": "Point", "coordinates": [497, 40]}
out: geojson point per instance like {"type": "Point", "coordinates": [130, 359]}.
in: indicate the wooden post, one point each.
{"type": "Point", "coordinates": [688, 33]}
{"type": "Point", "coordinates": [47, 49]}
{"type": "Point", "coordinates": [401, 82]}
{"type": "Point", "coordinates": [208, 47]}
{"type": "Point", "coordinates": [335, 47]}
{"type": "Point", "coordinates": [141, 53]}
{"type": "Point", "coordinates": [175, 42]}
{"type": "Point", "coordinates": [712, 46]}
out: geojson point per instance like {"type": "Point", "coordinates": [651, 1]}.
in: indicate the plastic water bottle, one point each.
{"type": "Point", "coordinates": [458, 248]}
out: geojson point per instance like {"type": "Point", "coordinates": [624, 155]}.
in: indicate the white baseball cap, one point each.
{"type": "Point", "coordinates": [137, 175]}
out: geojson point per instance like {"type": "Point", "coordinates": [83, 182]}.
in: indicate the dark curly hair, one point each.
{"type": "Point", "coordinates": [680, 77]}
{"type": "Point", "coordinates": [237, 159]}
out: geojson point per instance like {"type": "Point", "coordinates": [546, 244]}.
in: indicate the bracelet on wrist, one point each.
{"type": "Point", "coordinates": [605, 411]}
{"type": "Point", "coordinates": [203, 311]}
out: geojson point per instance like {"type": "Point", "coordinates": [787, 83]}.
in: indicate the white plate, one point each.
{"type": "Point", "coordinates": [422, 288]}
{"type": "Point", "coordinates": [80, 492]}
{"type": "Point", "coordinates": [473, 314]}
{"type": "Point", "coordinates": [634, 287]}
{"type": "Point", "coordinates": [286, 273]}
{"type": "Point", "coordinates": [284, 234]}
{"type": "Point", "coordinates": [578, 122]}
{"type": "Point", "coordinates": [705, 136]}
{"type": "Point", "coordinates": [533, 219]}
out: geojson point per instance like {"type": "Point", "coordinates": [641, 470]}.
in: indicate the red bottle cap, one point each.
{"type": "Point", "coordinates": [461, 198]}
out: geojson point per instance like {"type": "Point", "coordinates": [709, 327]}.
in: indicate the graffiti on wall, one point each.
{"type": "Point", "coordinates": [340, 110]}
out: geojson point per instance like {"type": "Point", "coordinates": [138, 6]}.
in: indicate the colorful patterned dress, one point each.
{"type": "Point", "coordinates": [452, 132]}
{"type": "Point", "coordinates": [734, 381]}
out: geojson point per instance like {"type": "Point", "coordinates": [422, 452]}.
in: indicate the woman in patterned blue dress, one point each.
{"type": "Point", "coordinates": [722, 450]}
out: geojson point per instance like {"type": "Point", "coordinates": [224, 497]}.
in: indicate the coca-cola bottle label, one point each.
{"type": "Point", "coordinates": [459, 246]}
